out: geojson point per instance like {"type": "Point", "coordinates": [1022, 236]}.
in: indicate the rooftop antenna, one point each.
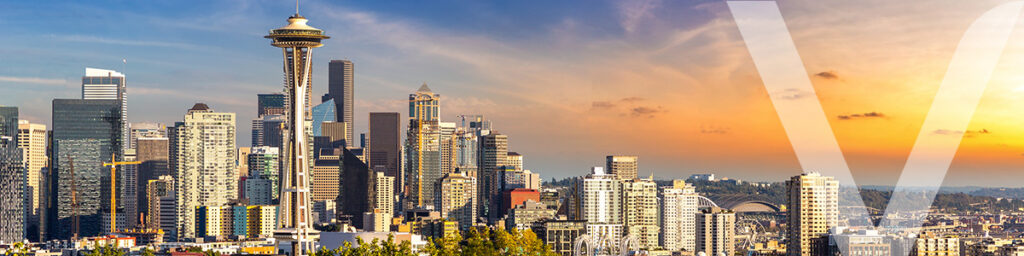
{"type": "Point", "coordinates": [296, 7]}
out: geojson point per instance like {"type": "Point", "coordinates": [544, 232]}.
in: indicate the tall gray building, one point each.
{"type": "Point", "coordinates": [87, 133]}
{"type": "Point", "coordinates": [13, 181]}
{"type": "Point", "coordinates": [385, 145]}
{"type": "Point", "coordinates": [493, 155]}
{"type": "Point", "coordinates": [341, 87]}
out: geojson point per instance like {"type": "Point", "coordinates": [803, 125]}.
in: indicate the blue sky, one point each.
{"type": "Point", "coordinates": [568, 81]}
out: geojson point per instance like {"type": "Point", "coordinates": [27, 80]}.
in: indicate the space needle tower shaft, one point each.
{"type": "Point", "coordinates": [295, 229]}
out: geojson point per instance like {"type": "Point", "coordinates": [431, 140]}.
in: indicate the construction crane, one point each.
{"type": "Point", "coordinates": [74, 198]}
{"type": "Point", "coordinates": [113, 189]}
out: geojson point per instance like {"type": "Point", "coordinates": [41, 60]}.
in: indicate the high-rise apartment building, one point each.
{"type": "Point", "coordinates": [640, 211]}
{"type": "Point", "coordinates": [384, 147]}
{"type": "Point", "coordinates": [813, 208]}
{"type": "Point", "coordinates": [624, 167]}
{"type": "Point", "coordinates": [448, 146]}
{"type": "Point", "coordinates": [85, 133]}
{"type": "Point", "coordinates": [493, 155]}
{"type": "Point", "coordinates": [160, 206]}
{"type": "Point", "coordinates": [678, 210]}
{"type": "Point", "coordinates": [602, 205]}
{"type": "Point", "coordinates": [457, 194]}
{"type": "Point", "coordinates": [32, 142]}
{"type": "Point", "coordinates": [423, 149]}
{"type": "Point", "coordinates": [515, 160]}
{"type": "Point", "coordinates": [385, 193]}
{"type": "Point", "coordinates": [203, 163]}
{"type": "Point", "coordinates": [102, 84]}
{"type": "Point", "coordinates": [716, 229]}
{"type": "Point", "coordinates": [341, 89]}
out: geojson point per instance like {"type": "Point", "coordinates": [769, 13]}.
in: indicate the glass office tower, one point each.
{"type": "Point", "coordinates": [87, 133]}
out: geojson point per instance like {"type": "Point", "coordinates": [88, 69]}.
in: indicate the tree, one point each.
{"type": "Point", "coordinates": [148, 252]}
{"type": "Point", "coordinates": [105, 250]}
{"type": "Point", "coordinates": [18, 249]}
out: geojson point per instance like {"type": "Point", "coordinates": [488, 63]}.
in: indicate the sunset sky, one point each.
{"type": "Point", "coordinates": [568, 81]}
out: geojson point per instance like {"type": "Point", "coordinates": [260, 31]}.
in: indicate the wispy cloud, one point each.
{"type": "Point", "coordinates": [33, 80]}
{"type": "Point", "coordinates": [871, 114]}
{"type": "Point", "coordinates": [633, 12]}
{"type": "Point", "coordinates": [128, 42]}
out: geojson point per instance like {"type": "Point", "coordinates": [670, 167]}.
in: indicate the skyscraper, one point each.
{"type": "Point", "coordinates": [357, 193]}
{"type": "Point", "coordinates": [457, 199]}
{"type": "Point", "coordinates": [640, 211]}
{"type": "Point", "coordinates": [12, 193]}
{"type": "Point", "coordinates": [32, 142]}
{"type": "Point", "coordinates": [297, 41]}
{"type": "Point", "coordinates": [385, 145]}
{"type": "Point", "coordinates": [602, 208]}
{"type": "Point", "coordinates": [325, 176]}
{"type": "Point", "coordinates": [341, 88]}
{"type": "Point", "coordinates": [324, 112]}
{"type": "Point", "coordinates": [102, 84]}
{"type": "Point", "coordinates": [87, 133]}
{"type": "Point", "coordinates": [145, 130]}
{"type": "Point", "coordinates": [160, 196]}
{"type": "Point", "coordinates": [678, 209]}
{"type": "Point", "coordinates": [515, 160]}
{"type": "Point", "coordinates": [493, 155]}
{"type": "Point", "coordinates": [716, 229]}
{"type": "Point", "coordinates": [385, 193]}
{"type": "Point", "coordinates": [203, 163]}
{"type": "Point", "coordinates": [13, 201]}
{"type": "Point", "coordinates": [265, 164]}
{"type": "Point", "coordinates": [152, 152]}
{"type": "Point", "coordinates": [624, 167]}
{"type": "Point", "coordinates": [813, 204]}
{"type": "Point", "coordinates": [423, 149]}
{"type": "Point", "coordinates": [448, 147]}
{"type": "Point", "coordinates": [270, 104]}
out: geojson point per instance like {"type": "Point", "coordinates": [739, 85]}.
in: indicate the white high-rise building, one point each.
{"type": "Point", "coordinates": [813, 204]}
{"type": "Point", "coordinates": [602, 207]}
{"type": "Point", "coordinates": [678, 210]}
{"type": "Point", "coordinates": [102, 84]}
{"type": "Point", "coordinates": [203, 163]}
{"type": "Point", "coordinates": [32, 142]}
{"type": "Point", "coordinates": [385, 191]}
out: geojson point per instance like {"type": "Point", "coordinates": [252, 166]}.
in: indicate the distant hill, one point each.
{"type": "Point", "coordinates": [951, 199]}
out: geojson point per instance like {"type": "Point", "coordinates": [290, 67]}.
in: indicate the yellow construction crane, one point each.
{"type": "Point", "coordinates": [113, 189]}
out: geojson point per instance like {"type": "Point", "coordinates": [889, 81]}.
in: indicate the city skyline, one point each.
{"type": "Point", "coordinates": [679, 92]}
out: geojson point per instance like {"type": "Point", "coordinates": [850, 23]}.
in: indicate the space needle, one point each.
{"type": "Point", "coordinates": [296, 41]}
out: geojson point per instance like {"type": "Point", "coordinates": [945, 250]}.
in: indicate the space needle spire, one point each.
{"type": "Point", "coordinates": [295, 227]}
